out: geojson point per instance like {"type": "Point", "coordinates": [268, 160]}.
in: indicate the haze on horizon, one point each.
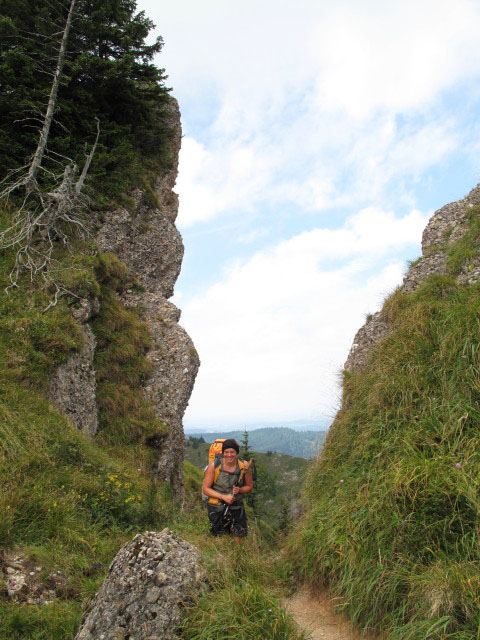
{"type": "Point", "coordinates": [319, 138]}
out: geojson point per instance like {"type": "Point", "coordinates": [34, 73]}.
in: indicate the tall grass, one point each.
{"type": "Point", "coordinates": [123, 339]}
{"type": "Point", "coordinates": [66, 502]}
{"type": "Point", "coordinates": [393, 501]}
{"type": "Point", "coordinates": [243, 600]}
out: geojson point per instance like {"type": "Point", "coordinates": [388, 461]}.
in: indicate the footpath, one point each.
{"type": "Point", "coordinates": [316, 616]}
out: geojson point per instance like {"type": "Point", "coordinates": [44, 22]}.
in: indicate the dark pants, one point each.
{"type": "Point", "coordinates": [227, 521]}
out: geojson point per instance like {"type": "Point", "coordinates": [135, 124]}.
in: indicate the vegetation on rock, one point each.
{"type": "Point", "coordinates": [108, 75]}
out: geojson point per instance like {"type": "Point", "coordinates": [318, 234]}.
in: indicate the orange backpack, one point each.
{"type": "Point", "coordinates": [215, 449]}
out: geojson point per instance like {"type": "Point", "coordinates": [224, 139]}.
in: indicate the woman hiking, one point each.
{"type": "Point", "coordinates": [225, 485]}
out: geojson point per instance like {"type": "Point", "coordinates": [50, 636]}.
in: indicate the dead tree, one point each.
{"type": "Point", "coordinates": [46, 216]}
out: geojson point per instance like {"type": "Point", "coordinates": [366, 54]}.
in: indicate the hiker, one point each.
{"type": "Point", "coordinates": [225, 485]}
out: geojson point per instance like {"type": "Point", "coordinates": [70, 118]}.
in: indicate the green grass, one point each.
{"type": "Point", "coordinates": [243, 598]}
{"type": "Point", "coordinates": [123, 339]}
{"type": "Point", "coordinates": [51, 622]}
{"type": "Point", "coordinates": [67, 502]}
{"type": "Point", "coordinates": [393, 502]}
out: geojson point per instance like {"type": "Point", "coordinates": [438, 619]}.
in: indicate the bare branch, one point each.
{"type": "Point", "coordinates": [37, 158]}
{"type": "Point", "coordinates": [88, 162]}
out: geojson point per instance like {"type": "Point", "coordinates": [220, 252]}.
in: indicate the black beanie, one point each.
{"type": "Point", "coordinates": [230, 444]}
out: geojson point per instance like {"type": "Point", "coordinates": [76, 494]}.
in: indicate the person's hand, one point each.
{"type": "Point", "coordinates": [236, 490]}
{"type": "Point", "coordinates": [228, 499]}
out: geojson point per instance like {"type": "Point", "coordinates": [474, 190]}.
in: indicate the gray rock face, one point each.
{"type": "Point", "coordinates": [145, 238]}
{"type": "Point", "coordinates": [72, 387]}
{"type": "Point", "coordinates": [448, 223]}
{"type": "Point", "coordinates": [148, 242]}
{"type": "Point", "coordinates": [175, 364]}
{"type": "Point", "coordinates": [142, 596]}
{"type": "Point", "coordinates": [374, 330]}
{"type": "Point", "coordinates": [446, 226]}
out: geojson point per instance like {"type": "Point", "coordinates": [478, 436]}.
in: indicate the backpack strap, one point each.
{"type": "Point", "coordinates": [218, 467]}
{"type": "Point", "coordinates": [218, 462]}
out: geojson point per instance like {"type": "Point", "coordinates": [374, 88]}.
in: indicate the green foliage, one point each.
{"type": "Point", "coordinates": [68, 503]}
{"type": "Point", "coordinates": [192, 479]}
{"type": "Point", "coordinates": [32, 343]}
{"type": "Point", "coordinates": [463, 252]}
{"type": "Point", "coordinates": [108, 74]}
{"type": "Point", "coordinates": [393, 501]}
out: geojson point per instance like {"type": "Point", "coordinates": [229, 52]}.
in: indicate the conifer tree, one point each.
{"type": "Point", "coordinates": [247, 454]}
{"type": "Point", "coordinates": [245, 445]}
{"type": "Point", "coordinates": [62, 73]}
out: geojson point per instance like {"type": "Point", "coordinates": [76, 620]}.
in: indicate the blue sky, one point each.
{"type": "Point", "coordinates": [319, 138]}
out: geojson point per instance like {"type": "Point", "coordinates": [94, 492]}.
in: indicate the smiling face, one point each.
{"type": "Point", "coordinates": [230, 455]}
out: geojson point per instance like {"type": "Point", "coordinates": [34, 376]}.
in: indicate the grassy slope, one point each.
{"type": "Point", "coordinates": [243, 601]}
{"type": "Point", "coordinates": [394, 499]}
{"type": "Point", "coordinates": [66, 502]}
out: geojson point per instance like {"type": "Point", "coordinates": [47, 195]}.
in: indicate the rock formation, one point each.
{"type": "Point", "coordinates": [72, 387]}
{"type": "Point", "coordinates": [145, 238]}
{"type": "Point", "coordinates": [143, 594]}
{"type": "Point", "coordinates": [446, 226]}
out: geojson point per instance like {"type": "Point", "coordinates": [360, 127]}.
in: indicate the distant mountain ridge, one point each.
{"type": "Point", "coordinates": [302, 444]}
{"type": "Point", "coordinates": [320, 424]}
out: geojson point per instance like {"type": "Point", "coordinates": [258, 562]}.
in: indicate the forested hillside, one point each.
{"type": "Point", "coordinates": [302, 444]}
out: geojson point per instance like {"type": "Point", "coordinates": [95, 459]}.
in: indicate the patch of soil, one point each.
{"type": "Point", "coordinates": [316, 615]}
{"type": "Point", "coordinates": [23, 581]}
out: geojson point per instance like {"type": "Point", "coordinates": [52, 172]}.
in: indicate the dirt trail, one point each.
{"type": "Point", "coordinates": [317, 616]}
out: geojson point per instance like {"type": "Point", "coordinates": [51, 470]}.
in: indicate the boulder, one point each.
{"type": "Point", "coordinates": [143, 596]}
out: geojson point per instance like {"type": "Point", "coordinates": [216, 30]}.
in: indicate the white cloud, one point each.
{"type": "Point", "coordinates": [274, 333]}
{"type": "Point", "coordinates": [315, 107]}
{"type": "Point", "coordinates": [303, 97]}
{"type": "Point", "coordinates": [393, 55]}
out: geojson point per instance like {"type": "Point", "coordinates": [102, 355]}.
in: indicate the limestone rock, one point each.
{"type": "Point", "coordinates": [72, 388]}
{"type": "Point", "coordinates": [175, 364]}
{"type": "Point", "coordinates": [374, 330]}
{"type": "Point", "coordinates": [133, 602]}
{"type": "Point", "coordinates": [448, 223]}
{"type": "Point", "coordinates": [145, 238]}
{"type": "Point", "coordinates": [25, 582]}
{"type": "Point", "coordinates": [147, 241]}
{"type": "Point", "coordinates": [446, 226]}
{"type": "Point", "coordinates": [166, 182]}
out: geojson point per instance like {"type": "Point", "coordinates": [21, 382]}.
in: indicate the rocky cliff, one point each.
{"type": "Point", "coordinates": [145, 239]}
{"type": "Point", "coordinates": [446, 226]}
